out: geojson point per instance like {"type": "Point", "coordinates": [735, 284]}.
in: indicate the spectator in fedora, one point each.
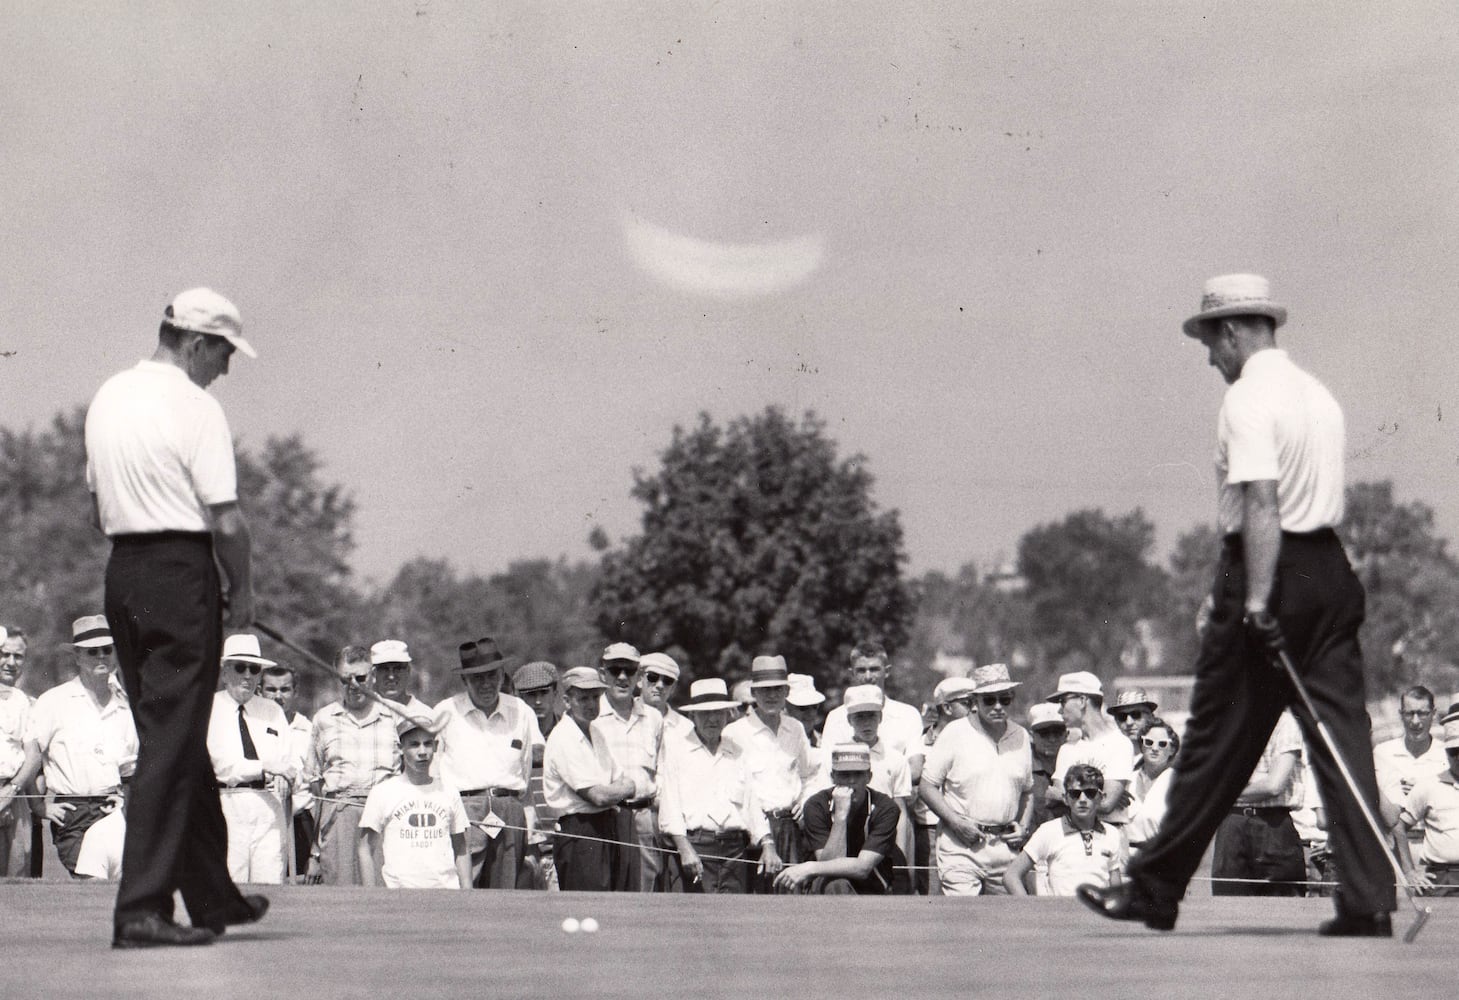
{"type": "Point", "coordinates": [1080, 698]}
{"type": "Point", "coordinates": [803, 704]}
{"type": "Point", "coordinates": [583, 786]}
{"type": "Point", "coordinates": [851, 830]}
{"type": "Point", "coordinates": [486, 739]}
{"type": "Point", "coordinates": [391, 660]}
{"type": "Point", "coordinates": [249, 745]}
{"type": "Point", "coordinates": [353, 749]}
{"type": "Point", "coordinates": [1132, 711]}
{"type": "Point", "coordinates": [978, 781]}
{"type": "Point", "coordinates": [81, 732]}
{"type": "Point", "coordinates": [778, 756]}
{"type": "Point", "coordinates": [706, 801]}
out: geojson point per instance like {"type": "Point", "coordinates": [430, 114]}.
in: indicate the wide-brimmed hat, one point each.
{"type": "Point", "coordinates": [1079, 682]}
{"type": "Point", "coordinates": [1235, 295]}
{"type": "Point", "coordinates": [851, 757]}
{"type": "Point", "coordinates": [621, 651]}
{"type": "Point", "coordinates": [993, 677]}
{"type": "Point", "coordinates": [92, 630]}
{"type": "Point", "coordinates": [583, 678]}
{"type": "Point", "coordinates": [1131, 698]}
{"type": "Point", "coordinates": [203, 310]}
{"type": "Point", "coordinates": [1044, 714]}
{"type": "Point", "coordinates": [769, 671]}
{"type": "Point", "coordinates": [803, 693]}
{"type": "Point", "coordinates": [863, 698]}
{"type": "Point", "coordinates": [707, 695]}
{"type": "Point", "coordinates": [481, 655]}
{"type": "Point", "coordinates": [244, 647]}
{"type": "Point", "coordinates": [661, 663]}
{"type": "Point", "coordinates": [389, 651]}
{"type": "Point", "coordinates": [534, 675]}
{"type": "Point", "coordinates": [952, 689]}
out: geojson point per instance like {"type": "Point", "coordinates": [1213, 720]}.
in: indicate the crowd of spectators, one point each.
{"type": "Point", "coordinates": [606, 777]}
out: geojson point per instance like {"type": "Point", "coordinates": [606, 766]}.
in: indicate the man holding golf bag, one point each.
{"type": "Point", "coordinates": [1282, 631]}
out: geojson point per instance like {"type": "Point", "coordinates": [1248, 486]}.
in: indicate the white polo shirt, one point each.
{"type": "Point", "coordinates": [87, 747]}
{"type": "Point", "coordinates": [1278, 422]}
{"type": "Point", "coordinates": [1110, 753]}
{"type": "Point", "coordinates": [979, 779]}
{"type": "Point", "coordinates": [158, 452]}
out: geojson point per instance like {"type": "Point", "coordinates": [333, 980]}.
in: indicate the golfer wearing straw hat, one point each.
{"type": "Point", "coordinates": [159, 464]}
{"type": "Point", "coordinates": [1283, 581]}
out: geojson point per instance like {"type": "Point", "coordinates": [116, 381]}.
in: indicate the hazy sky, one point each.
{"type": "Point", "coordinates": [491, 253]}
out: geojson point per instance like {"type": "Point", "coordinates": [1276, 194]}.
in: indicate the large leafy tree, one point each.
{"type": "Point", "coordinates": [1090, 580]}
{"type": "Point", "coordinates": [757, 537]}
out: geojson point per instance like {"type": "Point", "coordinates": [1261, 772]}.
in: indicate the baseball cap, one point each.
{"type": "Point", "coordinates": [851, 757]}
{"type": "Point", "coordinates": [951, 689]}
{"type": "Point", "coordinates": [584, 678]}
{"type": "Point", "coordinates": [1044, 715]}
{"type": "Point", "coordinates": [203, 310]}
{"type": "Point", "coordinates": [863, 698]}
{"type": "Point", "coordinates": [661, 663]}
{"type": "Point", "coordinates": [621, 651]}
{"type": "Point", "coordinates": [389, 651]}
{"type": "Point", "coordinates": [403, 726]}
{"type": "Point", "coordinates": [1079, 682]}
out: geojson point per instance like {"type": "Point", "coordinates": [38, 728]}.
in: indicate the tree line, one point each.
{"type": "Point", "coordinates": [756, 535]}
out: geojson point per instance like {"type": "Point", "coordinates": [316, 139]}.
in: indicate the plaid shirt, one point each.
{"type": "Point", "coordinates": [351, 756]}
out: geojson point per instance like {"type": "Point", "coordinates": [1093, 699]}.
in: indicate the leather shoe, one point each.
{"type": "Point", "coordinates": [251, 912]}
{"type": "Point", "coordinates": [1123, 902]}
{"type": "Point", "coordinates": [152, 931]}
{"type": "Point", "coordinates": [1357, 925]}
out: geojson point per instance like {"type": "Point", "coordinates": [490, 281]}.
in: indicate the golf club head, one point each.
{"type": "Point", "coordinates": [1421, 917]}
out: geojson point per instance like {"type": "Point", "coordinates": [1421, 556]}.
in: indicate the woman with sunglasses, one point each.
{"type": "Point", "coordinates": [1153, 775]}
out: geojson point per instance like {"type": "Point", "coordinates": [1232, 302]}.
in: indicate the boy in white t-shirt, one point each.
{"type": "Point", "coordinates": [419, 822]}
{"type": "Point", "coordinates": [1074, 850]}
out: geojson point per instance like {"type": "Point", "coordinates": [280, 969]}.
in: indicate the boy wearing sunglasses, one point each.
{"type": "Point", "coordinates": [1077, 849]}
{"type": "Point", "coordinates": [251, 747]}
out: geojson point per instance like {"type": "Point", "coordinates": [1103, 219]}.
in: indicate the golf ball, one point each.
{"type": "Point", "coordinates": [589, 925]}
{"type": "Point", "coordinates": [570, 925]}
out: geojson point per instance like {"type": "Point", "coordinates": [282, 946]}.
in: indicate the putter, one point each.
{"type": "Point", "coordinates": [1421, 913]}
{"type": "Point", "coordinates": [315, 661]}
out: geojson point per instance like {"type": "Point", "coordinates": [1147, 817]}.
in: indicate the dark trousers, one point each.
{"type": "Point", "coordinates": [68, 834]}
{"type": "Point", "coordinates": [304, 829]}
{"type": "Point", "coordinates": [787, 845]}
{"type": "Point", "coordinates": [164, 605]}
{"type": "Point", "coordinates": [627, 858]}
{"type": "Point", "coordinates": [1262, 852]}
{"type": "Point", "coordinates": [586, 865]}
{"type": "Point", "coordinates": [1238, 696]}
{"type": "Point", "coordinates": [498, 862]}
{"type": "Point", "coordinates": [725, 856]}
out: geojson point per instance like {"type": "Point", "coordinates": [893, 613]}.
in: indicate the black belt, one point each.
{"type": "Point", "coordinates": [996, 829]}
{"type": "Point", "coordinates": [779, 813]}
{"type": "Point", "coordinates": [496, 793]}
{"type": "Point", "coordinates": [1266, 812]}
{"type": "Point", "coordinates": [145, 537]}
{"type": "Point", "coordinates": [1442, 866]}
{"type": "Point", "coordinates": [639, 803]}
{"type": "Point", "coordinates": [718, 836]}
{"type": "Point", "coordinates": [85, 798]}
{"type": "Point", "coordinates": [258, 783]}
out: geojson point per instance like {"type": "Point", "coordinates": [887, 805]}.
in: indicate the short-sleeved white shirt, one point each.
{"type": "Point", "coordinates": [573, 760]}
{"type": "Point", "coordinates": [158, 452]}
{"type": "Point", "coordinates": [1068, 858]}
{"type": "Point", "coordinates": [1278, 422]}
{"type": "Point", "coordinates": [1110, 753]}
{"type": "Point", "coordinates": [1434, 805]}
{"type": "Point", "coordinates": [415, 823]}
{"type": "Point", "coordinates": [1286, 738]}
{"type": "Point", "coordinates": [901, 727]}
{"type": "Point", "coordinates": [486, 751]}
{"type": "Point", "coordinates": [1395, 765]}
{"type": "Point", "coordinates": [87, 749]}
{"type": "Point", "coordinates": [14, 710]}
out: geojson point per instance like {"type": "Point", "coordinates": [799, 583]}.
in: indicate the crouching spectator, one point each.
{"type": "Point", "coordinates": [1077, 849]}
{"type": "Point", "coordinates": [852, 831]}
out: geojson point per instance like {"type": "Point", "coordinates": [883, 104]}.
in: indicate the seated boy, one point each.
{"type": "Point", "coordinates": [419, 821]}
{"type": "Point", "coordinates": [1074, 850]}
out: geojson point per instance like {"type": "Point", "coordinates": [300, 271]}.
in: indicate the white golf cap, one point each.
{"type": "Point", "coordinates": [389, 651]}
{"type": "Point", "coordinates": [952, 688]}
{"type": "Point", "coordinates": [863, 698]}
{"type": "Point", "coordinates": [1079, 682]}
{"type": "Point", "coordinates": [203, 310]}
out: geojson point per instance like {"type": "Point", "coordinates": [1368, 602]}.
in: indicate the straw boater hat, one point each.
{"type": "Point", "coordinates": [244, 647]}
{"type": "Point", "coordinates": [769, 671]}
{"type": "Point", "coordinates": [707, 695]}
{"type": "Point", "coordinates": [1131, 698]}
{"type": "Point", "coordinates": [389, 651]}
{"type": "Point", "coordinates": [992, 678]}
{"type": "Point", "coordinates": [1079, 682]}
{"type": "Point", "coordinates": [92, 630]}
{"type": "Point", "coordinates": [851, 757]}
{"type": "Point", "coordinates": [1235, 295]}
{"type": "Point", "coordinates": [482, 655]}
{"type": "Point", "coordinates": [803, 693]}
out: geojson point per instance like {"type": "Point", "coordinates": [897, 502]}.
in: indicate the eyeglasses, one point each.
{"type": "Point", "coordinates": [989, 700]}
{"type": "Point", "coordinates": [1052, 732]}
{"type": "Point", "coordinates": [1155, 744]}
{"type": "Point", "coordinates": [663, 679]}
{"type": "Point", "coordinates": [623, 671]}
{"type": "Point", "coordinates": [354, 680]}
{"type": "Point", "coordinates": [1418, 714]}
{"type": "Point", "coordinates": [247, 668]}
{"type": "Point", "coordinates": [98, 651]}
{"type": "Point", "coordinates": [1083, 793]}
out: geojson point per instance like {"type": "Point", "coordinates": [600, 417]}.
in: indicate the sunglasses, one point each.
{"type": "Point", "coordinates": [663, 679]}
{"type": "Point", "coordinates": [1155, 744]}
{"type": "Point", "coordinates": [353, 680]}
{"type": "Point", "coordinates": [1138, 714]}
{"type": "Point", "coordinates": [99, 651]}
{"type": "Point", "coordinates": [989, 700]}
{"type": "Point", "coordinates": [625, 671]}
{"type": "Point", "coordinates": [1084, 793]}
{"type": "Point", "coordinates": [247, 668]}
{"type": "Point", "coordinates": [1052, 732]}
